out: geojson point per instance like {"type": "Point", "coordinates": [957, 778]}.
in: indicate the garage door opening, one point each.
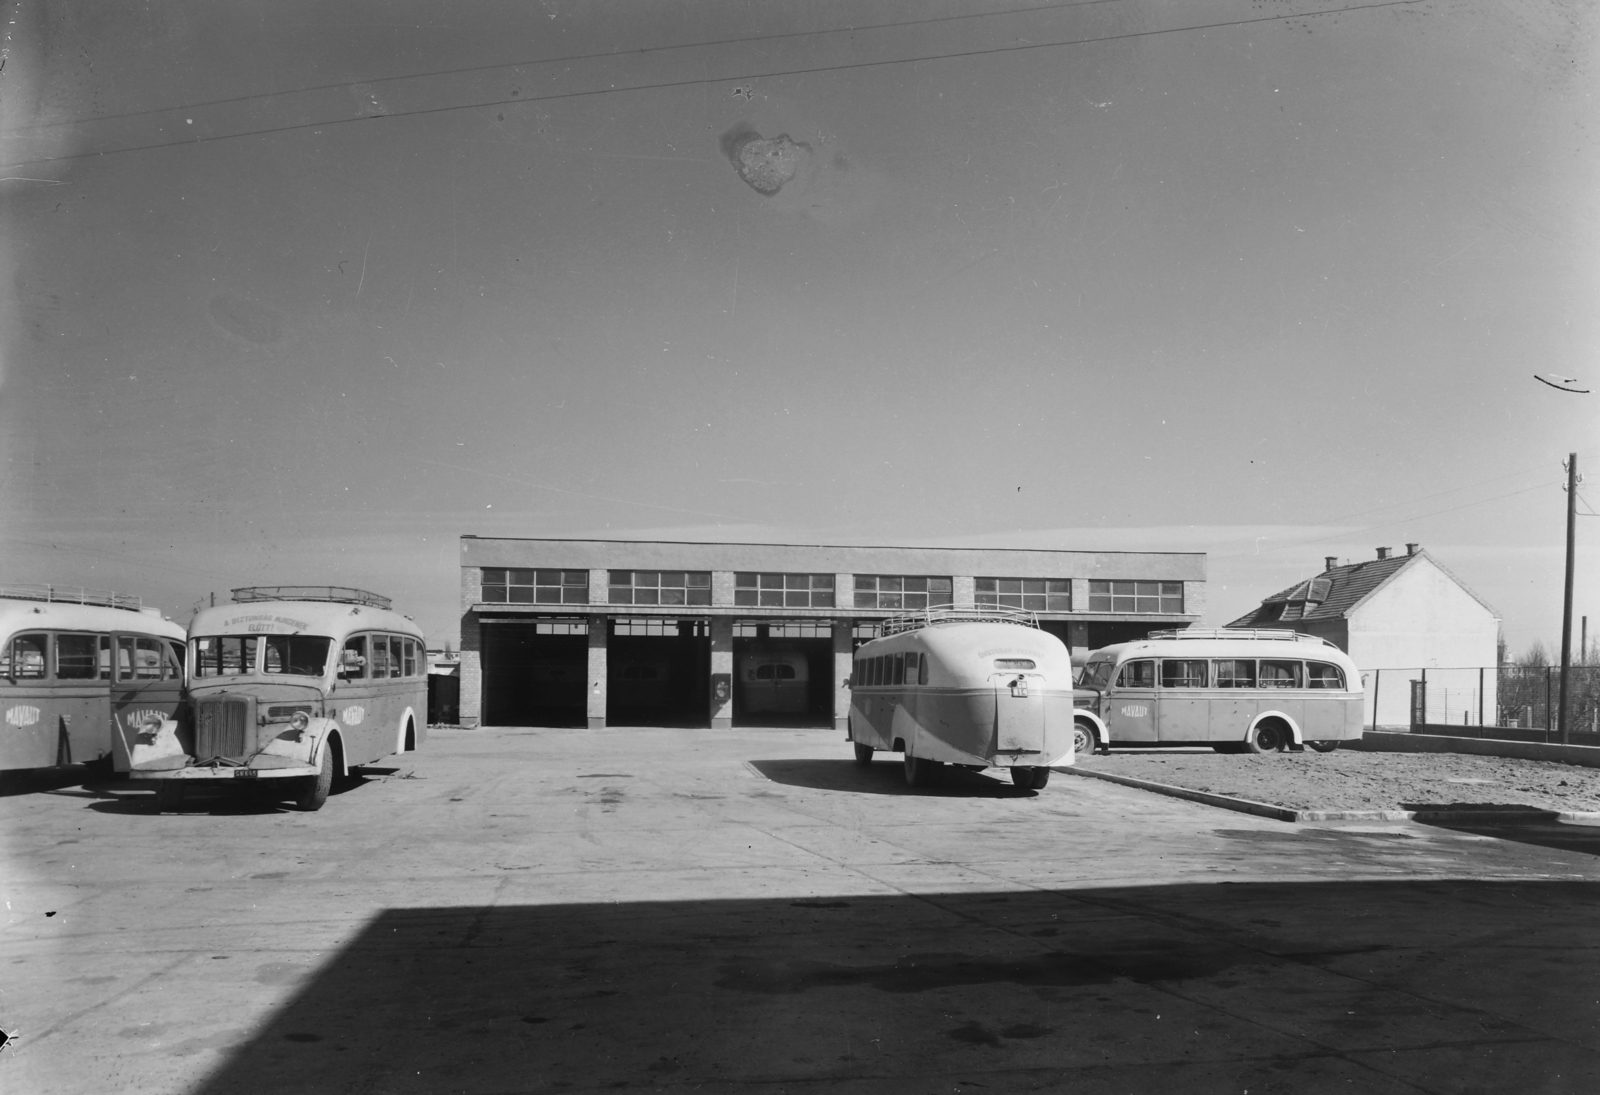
{"type": "Point", "coordinates": [783, 674]}
{"type": "Point", "coordinates": [658, 673]}
{"type": "Point", "coordinates": [533, 673]}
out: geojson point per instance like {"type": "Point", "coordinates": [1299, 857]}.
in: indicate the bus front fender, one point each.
{"type": "Point", "coordinates": [1101, 732]}
{"type": "Point", "coordinates": [303, 746]}
{"type": "Point", "coordinates": [157, 748]}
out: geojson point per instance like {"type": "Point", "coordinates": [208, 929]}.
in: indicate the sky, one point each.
{"type": "Point", "coordinates": [302, 292]}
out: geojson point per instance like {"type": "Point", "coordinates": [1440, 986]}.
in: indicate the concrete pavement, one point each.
{"type": "Point", "coordinates": [541, 910]}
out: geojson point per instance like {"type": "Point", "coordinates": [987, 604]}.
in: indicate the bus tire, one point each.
{"type": "Point", "coordinates": [1323, 746]}
{"type": "Point", "coordinates": [1083, 739]}
{"type": "Point", "coordinates": [314, 789]}
{"type": "Point", "coordinates": [920, 771]}
{"type": "Point", "coordinates": [1029, 779]}
{"type": "Point", "coordinates": [864, 753]}
{"type": "Point", "coordinates": [1267, 737]}
{"type": "Point", "coordinates": [169, 796]}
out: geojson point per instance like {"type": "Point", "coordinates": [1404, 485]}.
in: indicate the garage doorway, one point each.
{"type": "Point", "coordinates": [783, 674]}
{"type": "Point", "coordinates": [534, 672]}
{"type": "Point", "coordinates": [658, 672]}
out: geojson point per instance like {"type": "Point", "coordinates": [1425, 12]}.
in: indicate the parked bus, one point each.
{"type": "Point", "coordinates": [976, 688]}
{"type": "Point", "coordinates": [775, 681]}
{"type": "Point", "coordinates": [82, 673]}
{"type": "Point", "coordinates": [292, 686]}
{"type": "Point", "coordinates": [1255, 691]}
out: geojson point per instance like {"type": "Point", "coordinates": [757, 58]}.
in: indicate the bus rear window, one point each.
{"type": "Point", "coordinates": [224, 655]}
{"type": "Point", "coordinates": [1324, 675]}
{"type": "Point", "coordinates": [296, 655]}
{"type": "Point", "coordinates": [1015, 663]}
{"type": "Point", "coordinates": [24, 658]}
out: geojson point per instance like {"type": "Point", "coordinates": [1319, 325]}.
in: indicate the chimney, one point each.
{"type": "Point", "coordinates": [1329, 562]}
{"type": "Point", "coordinates": [1383, 553]}
{"type": "Point", "coordinates": [1411, 549]}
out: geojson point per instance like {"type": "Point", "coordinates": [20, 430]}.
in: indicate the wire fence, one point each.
{"type": "Point", "coordinates": [1525, 697]}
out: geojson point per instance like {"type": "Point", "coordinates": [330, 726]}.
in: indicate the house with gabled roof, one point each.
{"type": "Point", "coordinates": [1399, 614]}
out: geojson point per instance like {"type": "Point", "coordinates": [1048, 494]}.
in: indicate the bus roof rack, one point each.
{"type": "Point", "coordinates": [76, 595]}
{"type": "Point", "coordinates": [949, 614]}
{"type": "Point", "coordinates": [343, 595]}
{"type": "Point", "coordinates": [1279, 634]}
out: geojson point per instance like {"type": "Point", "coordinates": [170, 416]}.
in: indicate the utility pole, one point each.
{"type": "Point", "coordinates": [1566, 604]}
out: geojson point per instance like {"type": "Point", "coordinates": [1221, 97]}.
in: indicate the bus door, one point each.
{"type": "Point", "coordinates": [148, 678]}
{"type": "Point", "coordinates": [1130, 703]}
{"type": "Point", "coordinates": [30, 734]}
{"type": "Point", "coordinates": [80, 696]}
{"type": "Point", "coordinates": [1018, 708]}
{"type": "Point", "coordinates": [1186, 700]}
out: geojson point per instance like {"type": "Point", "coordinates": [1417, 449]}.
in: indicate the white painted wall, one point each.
{"type": "Point", "coordinates": [1423, 618]}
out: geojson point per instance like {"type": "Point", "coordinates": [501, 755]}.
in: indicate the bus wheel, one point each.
{"type": "Point", "coordinates": [920, 771]}
{"type": "Point", "coordinates": [169, 796]}
{"type": "Point", "coordinates": [1083, 741]}
{"type": "Point", "coordinates": [1323, 746]}
{"type": "Point", "coordinates": [1030, 778]}
{"type": "Point", "coordinates": [864, 753]}
{"type": "Point", "coordinates": [1267, 737]}
{"type": "Point", "coordinates": [314, 789]}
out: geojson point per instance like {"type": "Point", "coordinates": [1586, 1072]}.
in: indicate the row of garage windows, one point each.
{"type": "Point", "coordinates": [890, 592]}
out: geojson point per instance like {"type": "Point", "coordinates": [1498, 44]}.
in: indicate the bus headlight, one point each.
{"type": "Point", "coordinates": [299, 721]}
{"type": "Point", "coordinates": [151, 722]}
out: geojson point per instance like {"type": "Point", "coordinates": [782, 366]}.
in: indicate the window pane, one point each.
{"type": "Point", "coordinates": [24, 659]}
{"type": "Point", "coordinates": [646, 596]}
{"type": "Point", "coordinates": [299, 655]}
{"type": "Point", "coordinates": [575, 578]}
{"type": "Point", "coordinates": [672, 596]}
{"type": "Point", "coordinates": [700, 579]}
{"type": "Point", "coordinates": [547, 595]}
{"type": "Point", "coordinates": [1033, 601]}
{"type": "Point", "coordinates": [353, 659]}
{"type": "Point", "coordinates": [125, 658]}
{"type": "Point", "coordinates": [889, 600]}
{"type": "Point", "coordinates": [1185, 673]}
{"type": "Point", "coordinates": [1275, 674]}
{"type": "Point", "coordinates": [1236, 673]}
{"type": "Point", "coordinates": [75, 658]}
{"type": "Point", "coordinates": [494, 576]}
{"type": "Point", "coordinates": [916, 601]}
{"type": "Point", "coordinates": [822, 599]}
{"type": "Point", "coordinates": [866, 600]}
{"type": "Point", "coordinates": [622, 577]}
{"type": "Point", "coordinates": [772, 598]}
{"type": "Point", "coordinates": [915, 585]}
{"type": "Point", "coordinates": [647, 578]}
{"type": "Point", "coordinates": [520, 595]}
{"type": "Point", "coordinates": [494, 594]}
{"type": "Point", "coordinates": [939, 585]}
{"type": "Point", "coordinates": [772, 581]}
{"type": "Point", "coordinates": [548, 577]}
{"type": "Point", "coordinates": [699, 596]}
{"type": "Point", "coordinates": [519, 577]}
{"type": "Point", "coordinates": [147, 660]}
{"type": "Point", "coordinates": [1139, 674]}
{"type": "Point", "coordinates": [744, 580]}
{"type": "Point", "coordinates": [822, 581]}
{"type": "Point", "coordinates": [887, 584]}
{"type": "Point", "coordinates": [746, 597]}
{"type": "Point", "coordinates": [1010, 585]}
{"type": "Point", "coordinates": [1323, 675]}
{"type": "Point", "coordinates": [672, 578]}
{"type": "Point", "coordinates": [866, 581]}
{"type": "Point", "coordinates": [984, 585]}
{"type": "Point", "coordinates": [380, 657]}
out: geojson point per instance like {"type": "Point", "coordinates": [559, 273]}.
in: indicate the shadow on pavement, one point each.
{"type": "Point", "coordinates": [1373, 987]}
{"type": "Point", "coordinates": [1545, 832]}
{"type": "Point", "coordinates": [885, 777]}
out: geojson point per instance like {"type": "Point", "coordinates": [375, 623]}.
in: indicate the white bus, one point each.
{"type": "Point", "coordinates": [82, 673]}
{"type": "Point", "coordinates": [295, 686]}
{"type": "Point", "coordinates": [977, 688]}
{"type": "Point", "coordinates": [1238, 691]}
{"type": "Point", "coordinates": [774, 681]}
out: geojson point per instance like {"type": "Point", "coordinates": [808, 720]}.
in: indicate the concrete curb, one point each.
{"type": "Point", "coordinates": [1287, 813]}
{"type": "Point", "coordinates": [1387, 741]}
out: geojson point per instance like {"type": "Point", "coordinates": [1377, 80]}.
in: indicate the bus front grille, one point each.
{"type": "Point", "coordinates": [222, 729]}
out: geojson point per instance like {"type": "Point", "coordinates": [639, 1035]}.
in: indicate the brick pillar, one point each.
{"type": "Point", "coordinates": [722, 587]}
{"type": "Point", "coordinates": [471, 710]}
{"type": "Point", "coordinates": [721, 672]}
{"type": "Point", "coordinates": [599, 587]}
{"type": "Point", "coordinates": [964, 591]}
{"type": "Point", "coordinates": [843, 657]}
{"type": "Point", "coordinates": [596, 682]}
{"type": "Point", "coordinates": [844, 590]}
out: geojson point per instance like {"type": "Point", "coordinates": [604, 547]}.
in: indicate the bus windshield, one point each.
{"type": "Point", "coordinates": [296, 655]}
{"type": "Point", "coordinates": [224, 655]}
{"type": "Point", "coordinates": [1095, 675]}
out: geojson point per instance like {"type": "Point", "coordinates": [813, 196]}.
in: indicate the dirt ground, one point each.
{"type": "Point", "coordinates": [1351, 780]}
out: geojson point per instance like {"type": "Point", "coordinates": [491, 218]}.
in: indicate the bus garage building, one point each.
{"type": "Point", "coordinates": [603, 633]}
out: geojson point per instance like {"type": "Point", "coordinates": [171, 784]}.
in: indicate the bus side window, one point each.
{"type": "Point", "coordinates": [1236, 673]}
{"type": "Point", "coordinates": [24, 658]}
{"type": "Point", "coordinates": [1139, 674]}
{"type": "Point", "coordinates": [397, 658]}
{"type": "Point", "coordinates": [1280, 674]}
{"type": "Point", "coordinates": [411, 657]}
{"type": "Point", "coordinates": [378, 668]}
{"type": "Point", "coordinates": [922, 670]}
{"type": "Point", "coordinates": [147, 659]}
{"type": "Point", "coordinates": [899, 669]}
{"type": "Point", "coordinates": [175, 657]}
{"type": "Point", "coordinates": [76, 659]}
{"type": "Point", "coordinates": [911, 667]}
{"type": "Point", "coordinates": [1324, 675]}
{"type": "Point", "coordinates": [105, 657]}
{"type": "Point", "coordinates": [1184, 673]}
{"type": "Point", "coordinates": [353, 659]}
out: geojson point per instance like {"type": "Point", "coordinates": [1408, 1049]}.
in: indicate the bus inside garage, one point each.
{"type": "Point", "coordinates": [783, 673]}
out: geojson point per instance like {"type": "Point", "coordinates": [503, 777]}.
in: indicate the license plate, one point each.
{"type": "Point", "coordinates": [244, 773]}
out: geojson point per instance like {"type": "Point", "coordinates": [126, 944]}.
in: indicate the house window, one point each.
{"type": "Point", "coordinates": [901, 591]}
{"type": "Point", "coordinates": [660, 587]}
{"type": "Point", "coordinates": [529, 587]}
{"type": "Point", "coordinates": [1164, 597]}
{"type": "Point", "coordinates": [783, 590]}
{"type": "Point", "coordinates": [1033, 594]}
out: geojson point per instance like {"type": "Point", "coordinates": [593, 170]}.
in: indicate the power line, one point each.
{"type": "Point", "coordinates": [609, 54]}
{"type": "Point", "coordinates": [669, 84]}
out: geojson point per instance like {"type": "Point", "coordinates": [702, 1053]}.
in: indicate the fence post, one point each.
{"type": "Point", "coordinates": [1480, 695]}
{"type": "Point", "coordinates": [1547, 703]}
{"type": "Point", "coordinates": [1377, 676]}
